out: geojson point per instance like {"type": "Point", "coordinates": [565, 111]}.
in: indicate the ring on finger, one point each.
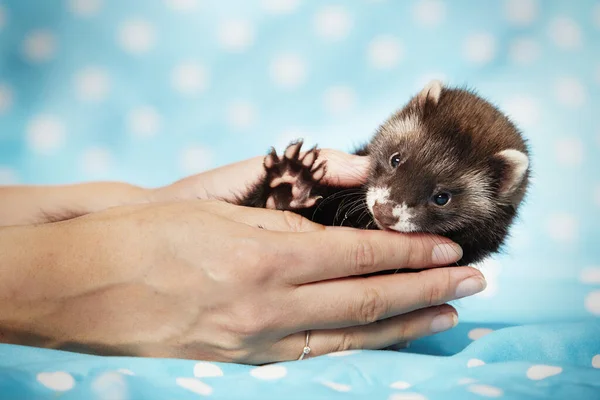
{"type": "Point", "coordinates": [306, 348]}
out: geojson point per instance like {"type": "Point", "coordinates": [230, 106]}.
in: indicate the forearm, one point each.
{"type": "Point", "coordinates": [24, 205]}
{"type": "Point", "coordinates": [58, 285]}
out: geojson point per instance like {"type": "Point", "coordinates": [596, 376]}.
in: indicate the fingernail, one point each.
{"type": "Point", "coordinates": [470, 287]}
{"type": "Point", "coordinates": [446, 253]}
{"type": "Point", "coordinates": [443, 322]}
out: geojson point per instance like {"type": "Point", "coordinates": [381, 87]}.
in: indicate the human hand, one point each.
{"type": "Point", "coordinates": [226, 182]}
{"type": "Point", "coordinates": [199, 280]}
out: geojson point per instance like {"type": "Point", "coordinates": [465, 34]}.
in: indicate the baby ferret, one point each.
{"type": "Point", "coordinates": [448, 163]}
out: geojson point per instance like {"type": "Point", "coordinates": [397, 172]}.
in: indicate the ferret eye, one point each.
{"type": "Point", "coordinates": [441, 199]}
{"type": "Point", "coordinates": [395, 160]}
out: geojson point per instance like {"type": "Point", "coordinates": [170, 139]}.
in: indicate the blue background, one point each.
{"type": "Point", "coordinates": [149, 91]}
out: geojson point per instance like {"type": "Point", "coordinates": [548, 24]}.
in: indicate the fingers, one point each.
{"type": "Point", "coordinates": [343, 169]}
{"type": "Point", "coordinates": [362, 301]}
{"type": "Point", "coordinates": [333, 253]}
{"type": "Point", "coordinates": [284, 221]}
{"type": "Point", "coordinates": [374, 336]}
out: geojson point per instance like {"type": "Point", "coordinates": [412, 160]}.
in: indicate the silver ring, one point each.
{"type": "Point", "coordinates": [306, 348]}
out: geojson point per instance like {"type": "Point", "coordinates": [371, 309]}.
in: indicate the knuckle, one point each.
{"type": "Point", "coordinates": [370, 307]}
{"type": "Point", "coordinates": [294, 221]}
{"type": "Point", "coordinates": [435, 290]}
{"type": "Point", "coordinates": [258, 259]}
{"type": "Point", "coordinates": [364, 257]}
{"type": "Point", "coordinates": [347, 341]}
{"type": "Point", "coordinates": [248, 322]}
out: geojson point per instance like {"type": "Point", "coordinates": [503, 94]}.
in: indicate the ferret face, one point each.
{"type": "Point", "coordinates": [444, 163]}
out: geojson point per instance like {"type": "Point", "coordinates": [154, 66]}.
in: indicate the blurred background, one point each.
{"type": "Point", "coordinates": [149, 91]}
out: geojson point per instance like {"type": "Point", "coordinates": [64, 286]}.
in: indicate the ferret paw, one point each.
{"type": "Point", "coordinates": [292, 177]}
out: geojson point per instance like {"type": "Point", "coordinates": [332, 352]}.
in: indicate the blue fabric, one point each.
{"type": "Point", "coordinates": [149, 91]}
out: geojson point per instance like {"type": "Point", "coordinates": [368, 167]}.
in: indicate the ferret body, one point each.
{"type": "Point", "coordinates": [448, 163]}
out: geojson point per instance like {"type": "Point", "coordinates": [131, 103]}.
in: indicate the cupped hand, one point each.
{"type": "Point", "coordinates": [229, 181]}
{"type": "Point", "coordinates": [200, 280]}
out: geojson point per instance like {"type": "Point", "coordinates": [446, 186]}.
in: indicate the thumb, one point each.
{"type": "Point", "coordinates": [343, 169]}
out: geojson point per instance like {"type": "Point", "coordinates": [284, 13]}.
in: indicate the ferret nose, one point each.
{"type": "Point", "coordinates": [384, 214]}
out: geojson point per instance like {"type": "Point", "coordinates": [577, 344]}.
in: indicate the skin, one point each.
{"type": "Point", "coordinates": [173, 276]}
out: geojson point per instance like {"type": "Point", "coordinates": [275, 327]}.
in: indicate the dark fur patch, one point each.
{"type": "Point", "coordinates": [453, 147]}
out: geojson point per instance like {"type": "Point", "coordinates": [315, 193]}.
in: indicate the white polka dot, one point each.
{"type": "Point", "coordinates": [235, 35]}
{"type": "Point", "coordinates": [8, 176]}
{"type": "Point", "coordinates": [597, 195]}
{"type": "Point", "coordinates": [592, 302]}
{"type": "Point", "coordinates": [524, 51]}
{"type": "Point", "coordinates": [569, 151]}
{"type": "Point", "coordinates": [92, 84]}
{"type": "Point", "coordinates": [110, 385]}
{"type": "Point", "coordinates": [182, 5]}
{"type": "Point", "coordinates": [45, 134]}
{"type": "Point", "coordinates": [85, 8]}
{"type": "Point", "coordinates": [338, 387]}
{"type": "Point", "coordinates": [96, 160]}
{"type": "Point", "coordinates": [590, 275]}
{"type": "Point", "coordinates": [137, 36]}
{"type": "Point", "coordinates": [400, 385]}
{"type": "Point", "coordinates": [569, 92]}
{"type": "Point", "coordinates": [332, 23]}
{"type": "Point", "coordinates": [288, 70]}
{"type": "Point", "coordinates": [521, 12]}
{"type": "Point", "coordinates": [195, 159]}
{"type": "Point", "coordinates": [279, 6]}
{"type": "Point", "coordinates": [2, 17]}
{"type": "Point", "coordinates": [39, 46]}
{"type": "Point", "coordinates": [474, 362]}
{"type": "Point", "coordinates": [429, 12]}
{"type": "Point", "coordinates": [565, 33]}
{"type": "Point", "coordinates": [6, 98]}
{"type": "Point", "coordinates": [194, 385]}
{"type": "Point", "coordinates": [486, 390]}
{"type": "Point", "coordinates": [339, 99]}
{"type": "Point", "coordinates": [407, 396]}
{"type": "Point", "coordinates": [539, 372]}
{"type": "Point", "coordinates": [385, 52]}
{"type": "Point", "coordinates": [478, 333]}
{"type": "Point", "coordinates": [206, 369]}
{"type": "Point", "coordinates": [189, 78]}
{"type": "Point", "coordinates": [144, 121]}
{"type": "Point", "coordinates": [479, 48]}
{"type": "Point", "coordinates": [241, 115]}
{"type": "Point", "coordinates": [466, 381]}
{"type": "Point", "coordinates": [269, 372]}
{"type": "Point", "coordinates": [523, 110]}
{"type": "Point", "coordinates": [491, 270]}
{"type": "Point", "coordinates": [343, 353]}
{"type": "Point", "coordinates": [562, 227]}
{"type": "Point", "coordinates": [596, 361]}
{"type": "Point", "coordinates": [291, 134]}
{"type": "Point", "coordinates": [125, 371]}
{"type": "Point", "coordinates": [59, 381]}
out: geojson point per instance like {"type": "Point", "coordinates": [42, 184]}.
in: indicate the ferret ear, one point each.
{"type": "Point", "coordinates": [430, 94]}
{"type": "Point", "coordinates": [514, 166]}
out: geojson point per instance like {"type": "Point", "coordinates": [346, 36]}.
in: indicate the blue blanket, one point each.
{"type": "Point", "coordinates": [473, 361]}
{"type": "Point", "coordinates": [95, 90]}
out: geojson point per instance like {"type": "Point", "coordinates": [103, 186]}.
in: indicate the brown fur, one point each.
{"type": "Point", "coordinates": [448, 139]}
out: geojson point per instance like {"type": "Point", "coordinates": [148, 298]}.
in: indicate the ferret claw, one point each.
{"type": "Point", "coordinates": [292, 177]}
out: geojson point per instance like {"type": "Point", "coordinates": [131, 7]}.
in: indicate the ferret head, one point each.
{"type": "Point", "coordinates": [448, 163]}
